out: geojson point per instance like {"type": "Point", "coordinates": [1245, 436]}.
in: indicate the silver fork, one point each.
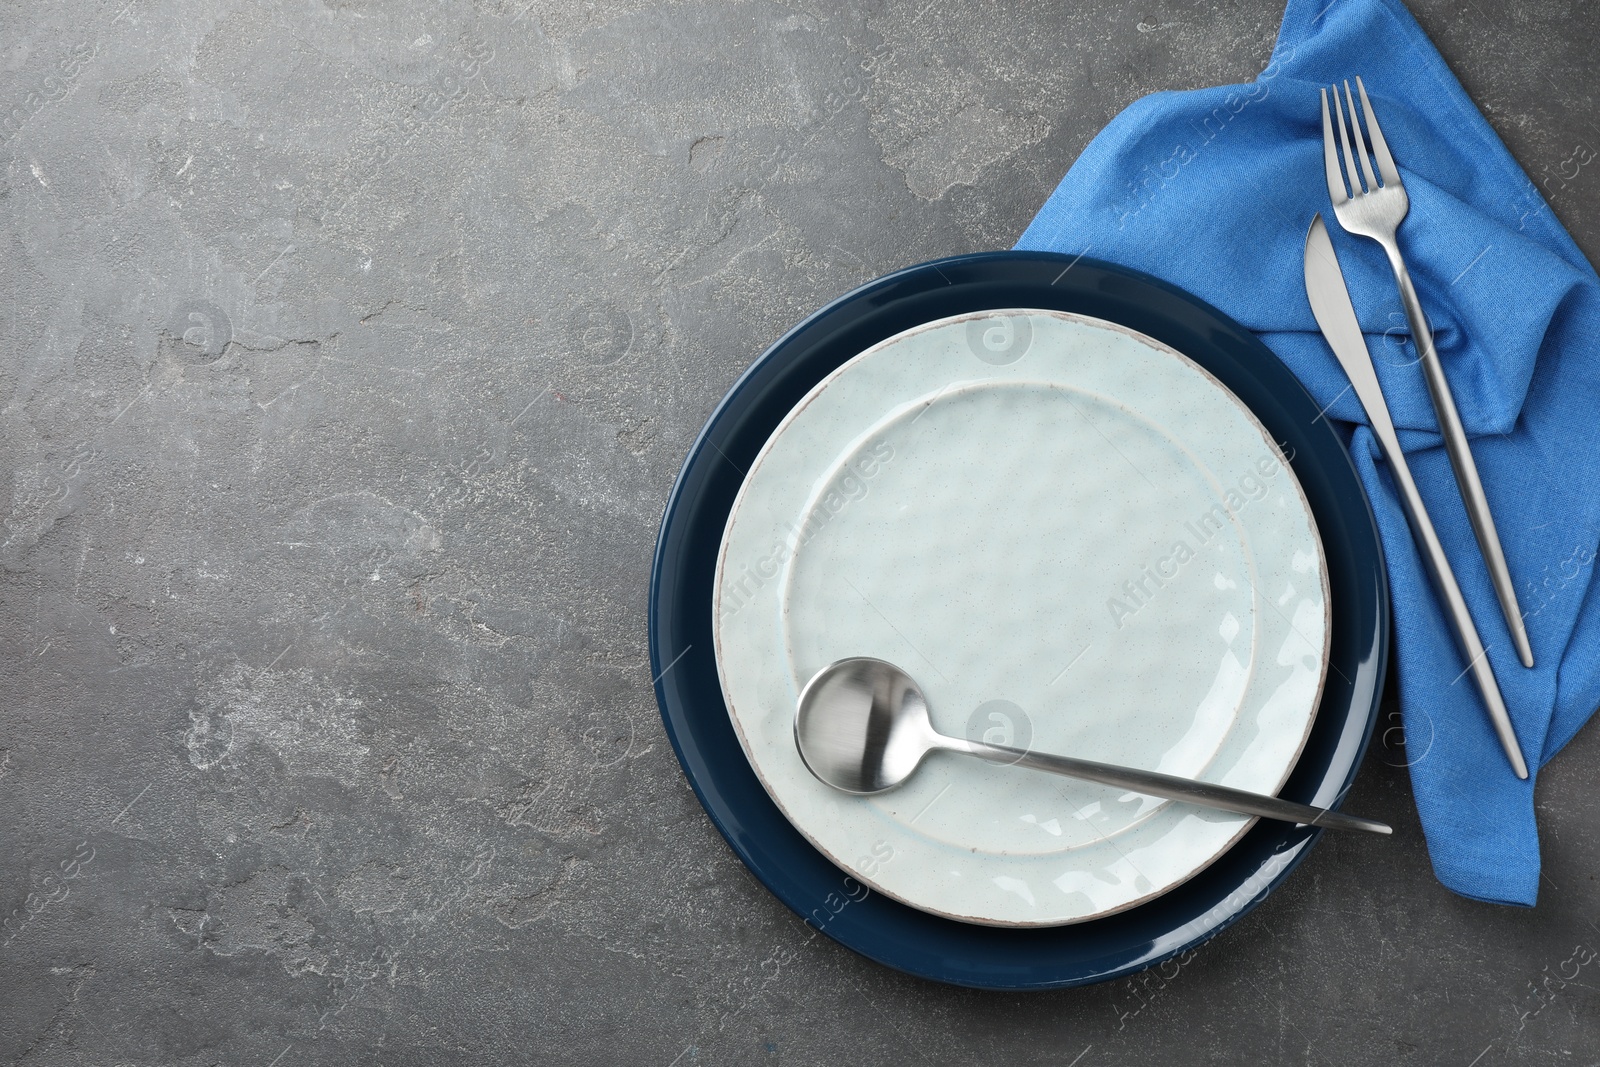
{"type": "Point", "coordinates": [1375, 210]}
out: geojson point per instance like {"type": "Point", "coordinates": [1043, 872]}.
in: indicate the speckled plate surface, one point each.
{"type": "Point", "coordinates": [1074, 538]}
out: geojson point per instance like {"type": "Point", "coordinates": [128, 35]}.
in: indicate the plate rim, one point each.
{"type": "Point", "coordinates": [983, 966]}
{"type": "Point", "coordinates": [1228, 396]}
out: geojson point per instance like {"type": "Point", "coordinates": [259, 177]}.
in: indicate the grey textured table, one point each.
{"type": "Point", "coordinates": [350, 353]}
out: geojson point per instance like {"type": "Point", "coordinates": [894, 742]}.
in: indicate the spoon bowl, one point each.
{"type": "Point", "coordinates": [863, 725]}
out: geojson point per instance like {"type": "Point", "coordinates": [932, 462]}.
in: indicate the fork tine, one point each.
{"type": "Point", "coordinates": [1344, 142]}
{"type": "Point", "coordinates": [1380, 147]}
{"type": "Point", "coordinates": [1361, 142]}
{"type": "Point", "coordinates": [1330, 156]}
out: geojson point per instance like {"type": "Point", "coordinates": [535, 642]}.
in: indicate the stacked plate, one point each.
{"type": "Point", "coordinates": [1090, 515]}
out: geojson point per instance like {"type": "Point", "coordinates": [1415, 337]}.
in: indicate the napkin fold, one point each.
{"type": "Point", "coordinates": [1213, 190]}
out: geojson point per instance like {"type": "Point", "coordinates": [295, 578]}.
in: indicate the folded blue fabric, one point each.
{"type": "Point", "coordinates": [1213, 190]}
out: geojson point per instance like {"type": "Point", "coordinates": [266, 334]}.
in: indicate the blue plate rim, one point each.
{"type": "Point", "coordinates": [1353, 738]}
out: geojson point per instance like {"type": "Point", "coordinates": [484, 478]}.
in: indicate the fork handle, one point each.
{"type": "Point", "coordinates": [1461, 462]}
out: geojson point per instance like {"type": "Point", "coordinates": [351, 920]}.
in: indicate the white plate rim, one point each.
{"type": "Point", "coordinates": [1093, 322]}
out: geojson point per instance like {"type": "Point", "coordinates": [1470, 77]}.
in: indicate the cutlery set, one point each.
{"type": "Point", "coordinates": [1373, 206]}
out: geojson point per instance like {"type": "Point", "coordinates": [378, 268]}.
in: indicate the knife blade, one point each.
{"type": "Point", "coordinates": [1336, 316]}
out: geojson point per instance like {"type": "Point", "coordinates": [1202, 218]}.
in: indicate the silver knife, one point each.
{"type": "Point", "coordinates": [1330, 303]}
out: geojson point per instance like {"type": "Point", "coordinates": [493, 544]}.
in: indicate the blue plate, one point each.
{"type": "Point", "coordinates": [685, 669]}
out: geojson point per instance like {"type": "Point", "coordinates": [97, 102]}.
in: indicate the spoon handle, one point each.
{"type": "Point", "coordinates": [1171, 787]}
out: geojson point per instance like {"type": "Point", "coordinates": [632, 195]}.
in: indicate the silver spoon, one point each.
{"type": "Point", "coordinates": [863, 727]}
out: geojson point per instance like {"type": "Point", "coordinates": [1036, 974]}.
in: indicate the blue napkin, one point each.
{"type": "Point", "coordinates": [1213, 190]}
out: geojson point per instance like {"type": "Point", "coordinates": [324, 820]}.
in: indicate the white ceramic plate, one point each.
{"type": "Point", "coordinates": [1074, 538]}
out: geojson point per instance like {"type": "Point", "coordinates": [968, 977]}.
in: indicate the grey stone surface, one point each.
{"type": "Point", "coordinates": [350, 351]}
